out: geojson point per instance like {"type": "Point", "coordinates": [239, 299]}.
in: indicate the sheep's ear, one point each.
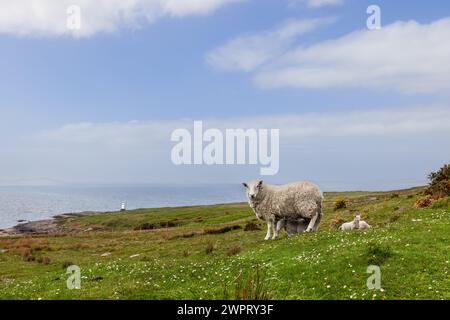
{"type": "Point", "coordinates": [244, 184]}
{"type": "Point", "coordinates": [260, 183]}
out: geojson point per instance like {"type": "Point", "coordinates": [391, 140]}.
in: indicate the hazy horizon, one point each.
{"type": "Point", "coordinates": [356, 108]}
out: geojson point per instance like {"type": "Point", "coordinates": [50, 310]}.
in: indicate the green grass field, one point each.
{"type": "Point", "coordinates": [204, 252]}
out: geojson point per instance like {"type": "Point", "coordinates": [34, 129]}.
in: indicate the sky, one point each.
{"type": "Point", "coordinates": [356, 108]}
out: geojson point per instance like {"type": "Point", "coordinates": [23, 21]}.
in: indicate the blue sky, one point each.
{"type": "Point", "coordinates": [159, 73]}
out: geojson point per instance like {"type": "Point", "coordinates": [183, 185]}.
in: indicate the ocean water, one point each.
{"type": "Point", "coordinates": [36, 203]}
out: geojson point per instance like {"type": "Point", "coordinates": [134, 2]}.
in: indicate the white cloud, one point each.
{"type": "Point", "coordinates": [358, 123]}
{"type": "Point", "coordinates": [319, 3]}
{"type": "Point", "coordinates": [395, 141]}
{"type": "Point", "coordinates": [404, 56]}
{"type": "Point", "coordinates": [49, 17]}
{"type": "Point", "coordinates": [247, 52]}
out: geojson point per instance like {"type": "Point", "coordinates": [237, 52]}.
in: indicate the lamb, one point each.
{"type": "Point", "coordinates": [356, 224]}
{"type": "Point", "coordinates": [278, 204]}
{"type": "Point", "coordinates": [292, 227]}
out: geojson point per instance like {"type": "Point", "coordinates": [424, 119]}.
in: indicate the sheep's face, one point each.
{"type": "Point", "coordinates": [253, 188]}
{"type": "Point", "coordinates": [357, 217]}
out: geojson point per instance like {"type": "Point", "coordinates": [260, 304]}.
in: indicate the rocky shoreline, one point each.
{"type": "Point", "coordinates": [46, 226]}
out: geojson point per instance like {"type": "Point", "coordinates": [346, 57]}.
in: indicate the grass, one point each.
{"type": "Point", "coordinates": [207, 252]}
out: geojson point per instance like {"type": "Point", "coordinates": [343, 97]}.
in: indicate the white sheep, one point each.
{"type": "Point", "coordinates": [356, 224]}
{"type": "Point", "coordinates": [293, 201]}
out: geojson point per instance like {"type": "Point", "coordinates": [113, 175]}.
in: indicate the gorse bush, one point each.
{"type": "Point", "coordinates": [340, 203]}
{"type": "Point", "coordinates": [439, 183]}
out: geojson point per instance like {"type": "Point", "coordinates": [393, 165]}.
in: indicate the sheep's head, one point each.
{"type": "Point", "coordinates": [253, 188]}
{"type": "Point", "coordinates": [357, 217]}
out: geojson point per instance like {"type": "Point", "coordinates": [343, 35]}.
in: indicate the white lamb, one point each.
{"type": "Point", "coordinates": [290, 202]}
{"type": "Point", "coordinates": [356, 224]}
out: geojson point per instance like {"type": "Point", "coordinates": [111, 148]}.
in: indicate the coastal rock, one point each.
{"type": "Point", "coordinates": [38, 227]}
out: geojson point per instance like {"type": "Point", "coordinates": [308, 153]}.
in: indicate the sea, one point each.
{"type": "Point", "coordinates": [29, 203]}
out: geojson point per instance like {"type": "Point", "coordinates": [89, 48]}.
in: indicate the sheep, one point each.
{"type": "Point", "coordinates": [356, 224]}
{"type": "Point", "coordinates": [361, 223]}
{"type": "Point", "coordinates": [292, 201]}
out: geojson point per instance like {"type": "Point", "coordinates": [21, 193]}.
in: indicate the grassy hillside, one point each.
{"type": "Point", "coordinates": [205, 252]}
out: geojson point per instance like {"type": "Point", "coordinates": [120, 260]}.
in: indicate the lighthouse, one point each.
{"type": "Point", "coordinates": [124, 206]}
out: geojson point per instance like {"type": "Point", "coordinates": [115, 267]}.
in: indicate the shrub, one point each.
{"type": "Point", "coordinates": [336, 222]}
{"type": "Point", "coordinates": [394, 195]}
{"type": "Point", "coordinates": [439, 186]}
{"type": "Point", "coordinates": [252, 226]}
{"type": "Point", "coordinates": [423, 202]}
{"type": "Point", "coordinates": [234, 250]}
{"type": "Point", "coordinates": [340, 203]}
{"type": "Point", "coordinates": [26, 253]}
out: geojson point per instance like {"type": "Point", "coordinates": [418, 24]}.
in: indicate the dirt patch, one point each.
{"type": "Point", "coordinates": [161, 225]}
{"type": "Point", "coordinates": [252, 226]}
{"type": "Point", "coordinates": [222, 230]}
{"type": "Point", "coordinates": [145, 226]}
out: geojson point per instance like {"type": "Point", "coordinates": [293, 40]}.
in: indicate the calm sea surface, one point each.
{"type": "Point", "coordinates": [35, 203]}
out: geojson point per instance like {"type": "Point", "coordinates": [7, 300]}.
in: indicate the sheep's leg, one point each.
{"type": "Point", "coordinates": [316, 225]}
{"type": "Point", "coordinates": [274, 230]}
{"type": "Point", "coordinates": [312, 223]}
{"type": "Point", "coordinates": [278, 227]}
{"type": "Point", "coordinates": [269, 227]}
